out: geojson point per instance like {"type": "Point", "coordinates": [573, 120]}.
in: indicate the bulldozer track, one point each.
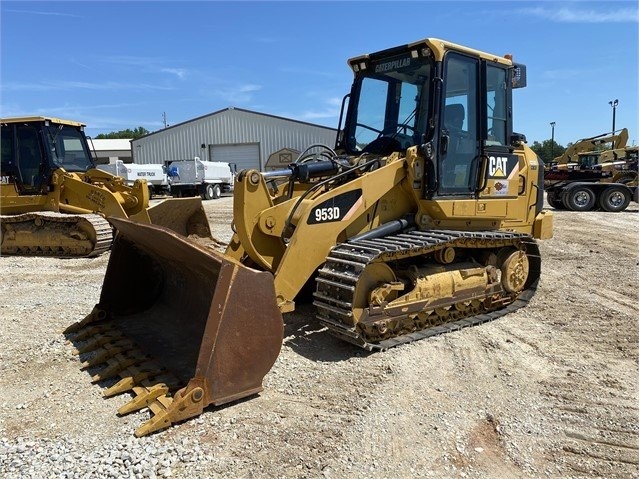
{"type": "Point", "coordinates": [61, 227]}
{"type": "Point", "coordinates": [347, 261]}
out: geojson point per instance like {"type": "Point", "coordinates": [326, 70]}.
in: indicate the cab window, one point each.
{"type": "Point", "coordinates": [8, 165]}
{"type": "Point", "coordinates": [29, 155]}
{"type": "Point", "coordinates": [459, 148]}
{"type": "Point", "coordinates": [496, 106]}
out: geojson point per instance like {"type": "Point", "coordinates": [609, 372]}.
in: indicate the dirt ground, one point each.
{"type": "Point", "coordinates": [548, 391]}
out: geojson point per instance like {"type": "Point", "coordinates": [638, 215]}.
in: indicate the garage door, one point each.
{"type": "Point", "coordinates": [244, 156]}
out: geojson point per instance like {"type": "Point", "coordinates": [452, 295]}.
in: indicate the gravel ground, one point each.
{"type": "Point", "coordinates": [548, 391]}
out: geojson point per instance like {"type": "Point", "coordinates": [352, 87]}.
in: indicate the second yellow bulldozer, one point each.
{"type": "Point", "coordinates": [584, 147]}
{"type": "Point", "coordinates": [423, 219]}
{"type": "Point", "coordinates": [54, 202]}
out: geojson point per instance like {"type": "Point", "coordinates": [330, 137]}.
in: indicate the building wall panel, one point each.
{"type": "Point", "coordinates": [229, 127]}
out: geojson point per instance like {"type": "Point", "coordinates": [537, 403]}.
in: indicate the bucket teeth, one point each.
{"type": "Point", "coordinates": [133, 376]}
{"type": "Point", "coordinates": [166, 410]}
{"type": "Point", "coordinates": [144, 396]}
{"type": "Point", "coordinates": [160, 418]}
{"type": "Point", "coordinates": [99, 340]}
{"type": "Point", "coordinates": [119, 363]}
{"type": "Point", "coordinates": [91, 331]}
{"type": "Point", "coordinates": [107, 351]}
{"type": "Point", "coordinates": [149, 382]}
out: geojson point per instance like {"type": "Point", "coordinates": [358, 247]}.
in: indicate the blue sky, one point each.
{"type": "Point", "coordinates": [117, 65]}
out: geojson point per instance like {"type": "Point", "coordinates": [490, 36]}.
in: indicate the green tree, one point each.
{"type": "Point", "coordinates": [548, 150]}
{"type": "Point", "coordinates": [128, 133]}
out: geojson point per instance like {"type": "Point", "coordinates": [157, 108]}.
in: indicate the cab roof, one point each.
{"type": "Point", "coordinates": [37, 119]}
{"type": "Point", "coordinates": [439, 48]}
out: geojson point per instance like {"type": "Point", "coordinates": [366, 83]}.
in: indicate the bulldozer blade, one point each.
{"type": "Point", "coordinates": [202, 317]}
{"type": "Point", "coordinates": [185, 216]}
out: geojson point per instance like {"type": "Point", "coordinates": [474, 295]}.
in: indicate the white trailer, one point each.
{"type": "Point", "coordinates": [193, 177]}
{"type": "Point", "coordinates": [154, 174]}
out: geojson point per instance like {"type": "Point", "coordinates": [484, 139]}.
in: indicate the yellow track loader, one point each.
{"type": "Point", "coordinates": [422, 220]}
{"type": "Point", "coordinates": [54, 202]}
{"type": "Point", "coordinates": [570, 158]}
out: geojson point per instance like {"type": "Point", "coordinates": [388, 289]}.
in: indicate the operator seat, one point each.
{"type": "Point", "coordinates": [457, 164]}
{"type": "Point", "coordinates": [454, 117]}
{"type": "Point", "coordinates": [453, 122]}
{"type": "Point", "coordinates": [29, 165]}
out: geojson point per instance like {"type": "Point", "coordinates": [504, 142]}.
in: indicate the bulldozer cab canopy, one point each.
{"type": "Point", "coordinates": [396, 98]}
{"type": "Point", "coordinates": [39, 143]}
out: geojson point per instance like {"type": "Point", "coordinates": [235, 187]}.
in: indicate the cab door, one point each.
{"type": "Point", "coordinates": [22, 158]}
{"type": "Point", "coordinates": [459, 128]}
{"type": "Point", "coordinates": [501, 175]}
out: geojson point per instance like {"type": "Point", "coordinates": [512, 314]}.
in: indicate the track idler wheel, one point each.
{"type": "Point", "coordinates": [514, 267]}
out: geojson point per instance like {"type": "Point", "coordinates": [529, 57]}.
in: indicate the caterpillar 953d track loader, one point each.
{"type": "Point", "coordinates": [422, 220]}
{"type": "Point", "coordinates": [53, 201]}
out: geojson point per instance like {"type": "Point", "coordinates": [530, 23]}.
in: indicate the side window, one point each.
{"type": "Point", "coordinates": [29, 155]}
{"type": "Point", "coordinates": [370, 121]}
{"type": "Point", "coordinates": [407, 108]}
{"type": "Point", "coordinates": [496, 105]}
{"type": "Point", "coordinates": [8, 165]}
{"type": "Point", "coordinates": [459, 129]}
{"type": "Point", "coordinates": [398, 119]}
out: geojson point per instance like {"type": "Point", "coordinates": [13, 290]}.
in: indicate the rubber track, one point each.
{"type": "Point", "coordinates": [346, 261]}
{"type": "Point", "coordinates": [102, 228]}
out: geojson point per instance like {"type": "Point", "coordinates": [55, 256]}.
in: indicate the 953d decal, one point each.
{"type": "Point", "coordinates": [338, 208]}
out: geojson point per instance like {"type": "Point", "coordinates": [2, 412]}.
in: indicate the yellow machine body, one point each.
{"type": "Point", "coordinates": [423, 219]}
{"type": "Point", "coordinates": [54, 202]}
{"type": "Point", "coordinates": [586, 151]}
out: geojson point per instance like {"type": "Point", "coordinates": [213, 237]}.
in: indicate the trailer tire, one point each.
{"type": "Point", "coordinates": [614, 199]}
{"type": "Point", "coordinates": [212, 192]}
{"type": "Point", "coordinates": [628, 178]}
{"type": "Point", "coordinates": [579, 198]}
{"type": "Point", "coordinates": [554, 200]}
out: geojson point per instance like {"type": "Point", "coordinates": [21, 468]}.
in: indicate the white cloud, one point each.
{"type": "Point", "coordinates": [238, 94]}
{"type": "Point", "coordinates": [562, 74]}
{"type": "Point", "coordinates": [329, 111]}
{"type": "Point", "coordinates": [181, 73]}
{"type": "Point", "coordinates": [36, 12]}
{"type": "Point", "coordinates": [73, 85]}
{"type": "Point", "coordinates": [577, 15]}
{"type": "Point", "coordinates": [149, 64]}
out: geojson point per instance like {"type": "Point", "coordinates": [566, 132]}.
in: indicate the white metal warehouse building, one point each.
{"type": "Point", "coordinates": [111, 150]}
{"type": "Point", "coordinates": [245, 138]}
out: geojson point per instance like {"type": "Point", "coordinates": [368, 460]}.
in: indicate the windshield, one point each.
{"type": "Point", "coordinates": [68, 148]}
{"type": "Point", "coordinates": [391, 107]}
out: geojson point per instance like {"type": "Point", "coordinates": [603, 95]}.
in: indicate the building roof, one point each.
{"type": "Point", "coordinates": [236, 109]}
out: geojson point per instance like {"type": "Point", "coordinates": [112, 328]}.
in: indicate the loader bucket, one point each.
{"type": "Point", "coordinates": [186, 216]}
{"type": "Point", "coordinates": [179, 325]}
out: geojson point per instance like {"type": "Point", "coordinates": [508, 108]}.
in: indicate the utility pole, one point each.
{"type": "Point", "coordinates": [164, 119]}
{"type": "Point", "coordinates": [552, 141]}
{"type": "Point", "coordinates": [613, 104]}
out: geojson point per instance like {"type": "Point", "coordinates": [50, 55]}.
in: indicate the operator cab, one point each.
{"type": "Point", "coordinates": [33, 147]}
{"type": "Point", "coordinates": [453, 103]}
